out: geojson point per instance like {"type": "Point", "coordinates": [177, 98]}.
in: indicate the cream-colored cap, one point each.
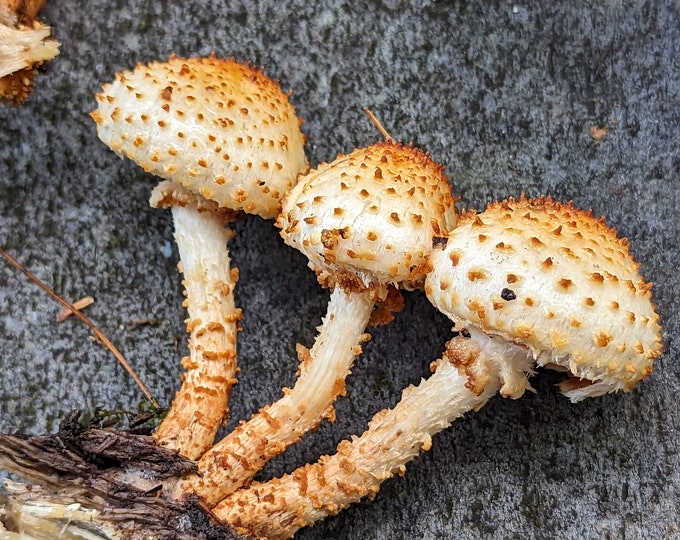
{"type": "Point", "coordinates": [367, 219]}
{"type": "Point", "coordinates": [556, 280]}
{"type": "Point", "coordinates": [220, 128]}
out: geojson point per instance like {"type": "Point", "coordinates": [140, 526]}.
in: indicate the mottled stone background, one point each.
{"type": "Point", "coordinates": [504, 94]}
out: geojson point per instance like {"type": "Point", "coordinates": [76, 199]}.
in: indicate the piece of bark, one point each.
{"type": "Point", "coordinates": [85, 482]}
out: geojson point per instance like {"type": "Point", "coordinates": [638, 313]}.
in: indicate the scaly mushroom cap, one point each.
{"type": "Point", "coordinates": [556, 280]}
{"type": "Point", "coordinates": [368, 218]}
{"type": "Point", "coordinates": [222, 129]}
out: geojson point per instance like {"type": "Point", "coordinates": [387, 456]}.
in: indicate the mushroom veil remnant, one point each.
{"type": "Point", "coordinates": [527, 282]}
{"type": "Point", "coordinates": [366, 222]}
{"type": "Point", "coordinates": [219, 131]}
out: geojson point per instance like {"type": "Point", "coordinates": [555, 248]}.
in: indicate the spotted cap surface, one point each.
{"type": "Point", "coordinates": [368, 218]}
{"type": "Point", "coordinates": [556, 280]}
{"type": "Point", "coordinates": [220, 128]}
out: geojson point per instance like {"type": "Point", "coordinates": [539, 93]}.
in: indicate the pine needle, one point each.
{"type": "Point", "coordinates": [97, 332]}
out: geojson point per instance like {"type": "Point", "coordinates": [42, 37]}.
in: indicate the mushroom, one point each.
{"type": "Point", "coordinates": [220, 131]}
{"type": "Point", "coordinates": [25, 43]}
{"type": "Point", "coordinates": [366, 222]}
{"type": "Point", "coordinates": [556, 282]}
{"type": "Point", "coordinates": [526, 282]}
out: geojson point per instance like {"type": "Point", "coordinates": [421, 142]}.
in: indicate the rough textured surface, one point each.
{"type": "Point", "coordinates": [554, 278]}
{"type": "Point", "coordinates": [579, 100]}
{"type": "Point", "coordinates": [366, 220]}
{"type": "Point", "coordinates": [219, 127]}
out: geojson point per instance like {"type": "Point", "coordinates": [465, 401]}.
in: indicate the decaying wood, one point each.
{"type": "Point", "coordinates": [101, 484]}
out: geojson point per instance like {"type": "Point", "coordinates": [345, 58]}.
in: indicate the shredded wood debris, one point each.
{"type": "Point", "coordinates": [78, 304]}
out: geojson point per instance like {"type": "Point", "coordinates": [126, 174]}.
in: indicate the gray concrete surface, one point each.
{"type": "Point", "coordinates": [503, 94]}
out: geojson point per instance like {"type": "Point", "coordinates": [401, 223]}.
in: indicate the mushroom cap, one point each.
{"type": "Point", "coordinates": [367, 219]}
{"type": "Point", "coordinates": [556, 280]}
{"type": "Point", "coordinates": [220, 128]}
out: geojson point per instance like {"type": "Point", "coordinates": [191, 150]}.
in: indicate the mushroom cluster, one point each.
{"type": "Point", "coordinates": [577, 302]}
{"type": "Point", "coordinates": [526, 283]}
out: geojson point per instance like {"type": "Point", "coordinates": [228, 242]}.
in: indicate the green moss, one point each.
{"type": "Point", "coordinates": [371, 49]}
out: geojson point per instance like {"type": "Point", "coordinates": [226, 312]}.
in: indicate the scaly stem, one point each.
{"type": "Point", "coordinates": [22, 47]}
{"type": "Point", "coordinates": [200, 406]}
{"type": "Point", "coordinates": [464, 379]}
{"type": "Point", "coordinates": [24, 44]}
{"type": "Point", "coordinates": [236, 459]}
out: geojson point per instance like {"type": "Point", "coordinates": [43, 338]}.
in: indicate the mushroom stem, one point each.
{"type": "Point", "coordinates": [22, 47]}
{"type": "Point", "coordinates": [464, 379]}
{"type": "Point", "coordinates": [323, 369]}
{"type": "Point", "coordinates": [200, 406]}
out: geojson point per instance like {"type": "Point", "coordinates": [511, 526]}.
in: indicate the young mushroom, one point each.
{"type": "Point", "coordinates": [526, 282]}
{"type": "Point", "coordinates": [366, 223]}
{"type": "Point", "coordinates": [221, 131]}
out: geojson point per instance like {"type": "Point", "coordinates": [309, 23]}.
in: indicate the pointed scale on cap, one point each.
{"type": "Point", "coordinates": [554, 279]}
{"type": "Point", "coordinates": [221, 128]}
{"type": "Point", "coordinates": [367, 219]}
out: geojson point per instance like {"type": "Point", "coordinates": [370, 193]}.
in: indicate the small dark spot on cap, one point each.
{"type": "Point", "coordinates": [508, 294]}
{"type": "Point", "coordinates": [439, 242]}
